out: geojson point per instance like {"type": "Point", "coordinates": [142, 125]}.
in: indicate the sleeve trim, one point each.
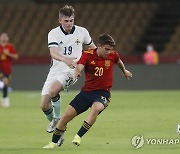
{"type": "Point", "coordinates": [52, 43]}
{"type": "Point", "coordinates": [89, 43]}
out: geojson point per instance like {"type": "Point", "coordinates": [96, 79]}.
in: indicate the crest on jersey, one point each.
{"type": "Point", "coordinates": [93, 62]}
{"type": "Point", "coordinates": [107, 63]}
{"type": "Point", "coordinates": [77, 42]}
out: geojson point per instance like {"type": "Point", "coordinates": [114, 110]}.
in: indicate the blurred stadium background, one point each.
{"type": "Point", "coordinates": [146, 105]}
{"type": "Point", "coordinates": [132, 23]}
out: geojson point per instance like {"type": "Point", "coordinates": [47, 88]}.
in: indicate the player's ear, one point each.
{"type": "Point", "coordinates": [59, 20]}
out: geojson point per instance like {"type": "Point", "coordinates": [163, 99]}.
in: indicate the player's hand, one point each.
{"type": "Point", "coordinates": [77, 72]}
{"type": "Point", "coordinates": [70, 62]}
{"type": "Point", "coordinates": [6, 52]}
{"type": "Point", "coordinates": [127, 74]}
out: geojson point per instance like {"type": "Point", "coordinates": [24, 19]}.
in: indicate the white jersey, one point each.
{"type": "Point", "coordinates": [69, 45]}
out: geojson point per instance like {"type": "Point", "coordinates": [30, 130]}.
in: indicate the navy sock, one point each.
{"type": "Point", "coordinates": [85, 127]}
{"type": "Point", "coordinates": [5, 91]}
{"type": "Point", "coordinates": [56, 135]}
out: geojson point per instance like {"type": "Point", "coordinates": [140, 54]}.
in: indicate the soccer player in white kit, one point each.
{"type": "Point", "coordinates": [65, 43]}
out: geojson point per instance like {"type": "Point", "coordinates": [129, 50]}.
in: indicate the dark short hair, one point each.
{"type": "Point", "coordinates": [67, 10]}
{"type": "Point", "coordinates": [106, 39]}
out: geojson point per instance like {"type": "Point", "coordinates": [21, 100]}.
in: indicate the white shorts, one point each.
{"type": "Point", "coordinates": [65, 78]}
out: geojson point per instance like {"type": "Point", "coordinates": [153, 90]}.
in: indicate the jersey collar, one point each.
{"type": "Point", "coordinates": [66, 33]}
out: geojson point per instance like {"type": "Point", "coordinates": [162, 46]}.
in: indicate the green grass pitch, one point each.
{"type": "Point", "coordinates": [153, 114]}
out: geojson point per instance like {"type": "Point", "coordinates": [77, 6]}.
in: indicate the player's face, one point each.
{"type": "Point", "coordinates": [67, 22]}
{"type": "Point", "coordinates": [4, 38]}
{"type": "Point", "coordinates": [105, 50]}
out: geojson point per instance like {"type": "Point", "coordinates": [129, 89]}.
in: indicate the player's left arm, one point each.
{"type": "Point", "coordinates": [127, 74]}
{"type": "Point", "coordinates": [12, 55]}
{"type": "Point", "coordinates": [88, 42]}
{"type": "Point", "coordinates": [92, 46]}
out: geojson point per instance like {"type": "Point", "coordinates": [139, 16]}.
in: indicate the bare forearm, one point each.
{"type": "Point", "coordinates": [13, 56]}
{"type": "Point", "coordinates": [121, 65]}
{"type": "Point", "coordinates": [78, 70]}
{"type": "Point", "coordinates": [55, 55]}
{"type": "Point", "coordinates": [68, 61]}
{"type": "Point", "coordinates": [127, 74]}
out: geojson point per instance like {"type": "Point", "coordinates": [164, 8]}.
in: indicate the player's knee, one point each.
{"type": "Point", "coordinates": [55, 88]}
{"type": "Point", "coordinates": [69, 114]}
{"type": "Point", "coordinates": [52, 92]}
{"type": "Point", "coordinates": [98, 107]}
{"type": "Point", "coordinates": [45, 103]}
{"type": "Point", "coordinates": [45, 106]}
{"type": "Point", "coordinates": [66, 117]}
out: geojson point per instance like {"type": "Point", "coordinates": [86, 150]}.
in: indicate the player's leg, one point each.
{"type": "Point", "coordinates": [57, 138]}
{"type": "Point", "coordinates": [50, 102]}
{"type": "Point", "coordinates": [62, 79]}
{"type": "Point", "coordinates": [77, 106]}
{"type": "Point", "coordinates": [98, 101]}
{"type": "Point", "coordinates": [96, 108]}
{"type": "Point", "coordinates": [5, 99]}
{"type": "Point", "coordinates": [47, 107]}
{"type": "Point", "coordinates": [54, 90]}
{"type": "Point", "coordinates": [69, 114]}
{"type": "Point", "coordinates": [46, 104]}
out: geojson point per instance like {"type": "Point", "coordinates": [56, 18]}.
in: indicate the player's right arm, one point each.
{"type": "Point", "coordinates": [53, 48]}
{"type": "Point", "coordinates": [78, 70]}
{"type": "Point", "coordinates": [12, 55]}
{"type": "Point", "coordinates": [82, 63]}
{"type": "Point", "coordinates": [55, 55]}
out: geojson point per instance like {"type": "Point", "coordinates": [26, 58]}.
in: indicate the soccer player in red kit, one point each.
{"type": "Point", "coordinates": [95, 94]}
{"type": "Point", "coordinates": [7, 53]}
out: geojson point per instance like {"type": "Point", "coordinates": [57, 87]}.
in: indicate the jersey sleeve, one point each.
{"type": "Point", "coordinates": [84, 59]}
{"type": "Point", "coordinates": [12, 49]}
{"type": "Point", "coordinates": [52, 40]}
{"type": "Point", "coordinates": [116, 56]}
{"type": "Point", "coordinates": [87, 38]}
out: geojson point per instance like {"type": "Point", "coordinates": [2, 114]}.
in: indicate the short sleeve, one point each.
{"type": "Point", "coordinates": [87, 38]}
{"type": "Point", "coordinates": [11, 48]}
{"type": "Point", "coordinates": [116, 56]}
{"type": "Point", "coordinates": [52, 40]}
{"type": "Point", "coordinates": [84, 59]}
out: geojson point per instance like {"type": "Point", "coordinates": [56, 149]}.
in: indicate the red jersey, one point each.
{"type": "Point", "coordinates": [5, 61]}
{"type": "Point", "coordinates": [98, 71]}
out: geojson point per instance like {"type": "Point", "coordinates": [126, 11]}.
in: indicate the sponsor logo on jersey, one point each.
{"type": "Point", "coordinates": [61, 42]}
{"type": "Point", "coordinates": [93, 63]}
